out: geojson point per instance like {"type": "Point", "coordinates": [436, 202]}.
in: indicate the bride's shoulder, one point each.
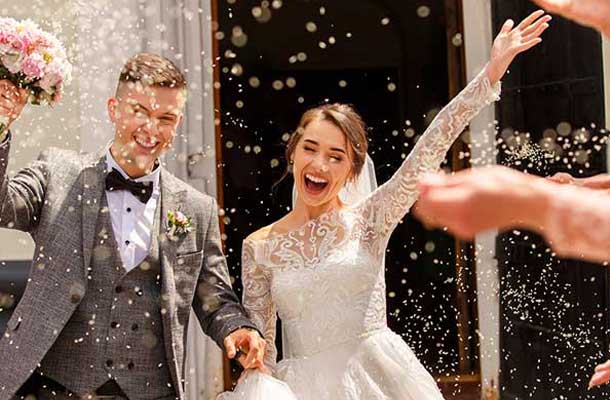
{"type": "Point", "coordinates": [279, 227]}
{"type": "Point", "coordinates": [259, 235]}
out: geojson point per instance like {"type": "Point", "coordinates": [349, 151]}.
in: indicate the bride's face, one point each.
{"type": "Point", "coordinates": [322, 163]}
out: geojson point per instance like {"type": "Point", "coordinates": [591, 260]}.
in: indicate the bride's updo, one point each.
{"type": "Point", "coordinates": [344, 117]}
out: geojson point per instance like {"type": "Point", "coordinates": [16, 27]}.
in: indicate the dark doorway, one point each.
{"type": "Point", "coordinates": [392, 60]}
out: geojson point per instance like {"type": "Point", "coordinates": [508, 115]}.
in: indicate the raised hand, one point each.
{"type": "Point", "coordinates": [473, 201]}
{"type": "Point", "coordinates": [12, 101]}
{"type": "Point", "coordinates": [514, 40]}
{"type": "Point", "coordinates": [592, 13]}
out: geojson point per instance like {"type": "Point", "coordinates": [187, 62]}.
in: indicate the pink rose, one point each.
{"type": "Point", "coordinates": [12, 61]}
{"type": "Point", "coordinates": [33, 66]}
{"type": "Point", "coordinates": [52, 78]}
{"type": "Point", "coordinates": [12, 39]}
{"type": "Point", "coordinates": [181, 219]}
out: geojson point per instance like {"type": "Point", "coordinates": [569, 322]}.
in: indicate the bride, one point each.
{"type": "Point", "coordinates": [321, 266]}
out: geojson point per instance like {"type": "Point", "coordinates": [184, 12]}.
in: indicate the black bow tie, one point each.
{"type": "Point", "coordinates": [141, 190]}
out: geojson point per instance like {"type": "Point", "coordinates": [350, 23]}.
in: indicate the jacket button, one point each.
{"type": "Point", "coordinates": [75, 298]}
{"type": "Point", "coordinates": [109, 363]}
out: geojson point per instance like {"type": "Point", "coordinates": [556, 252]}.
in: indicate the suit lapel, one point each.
{"type": "Point", "coordinates": [93, 188]}
{"type": "Point", "coordinates": [171, 200]}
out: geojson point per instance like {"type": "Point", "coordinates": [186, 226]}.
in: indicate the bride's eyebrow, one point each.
{"type": "Point", "coordinates": [339, 150]}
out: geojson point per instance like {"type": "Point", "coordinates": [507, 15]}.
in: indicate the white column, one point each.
{"type": "Point", "coordinates": [478, 37]}
{"type": "Point", "coordinates": [606, 59]}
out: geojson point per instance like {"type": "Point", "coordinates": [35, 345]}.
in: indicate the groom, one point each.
{"type": "Point", "coordinates": [106, 309]}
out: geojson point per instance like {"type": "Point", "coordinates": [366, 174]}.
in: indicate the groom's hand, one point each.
{"type": "Point", "coordinates": [249, 345]}
{"type": "Point", "coordinates": [12, 100]}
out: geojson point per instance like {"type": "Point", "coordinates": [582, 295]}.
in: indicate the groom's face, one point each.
{"type": "Point", "coordinates": [145, 119]}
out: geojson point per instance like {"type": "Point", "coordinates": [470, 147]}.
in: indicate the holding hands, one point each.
{"type": "Point", "coordinates": [248, 347]}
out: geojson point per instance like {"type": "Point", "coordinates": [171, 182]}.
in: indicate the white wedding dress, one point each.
{"type": "Point", "coordinates": [326, 283]}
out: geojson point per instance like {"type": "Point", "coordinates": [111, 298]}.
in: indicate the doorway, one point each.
{"type": "Point", "coordinates": [398, 63]}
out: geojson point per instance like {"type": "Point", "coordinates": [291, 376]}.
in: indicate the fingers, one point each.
{"type": "Point", "coordinates": [12, 99]}
{"type": "Point", "coordinates": [528, 45]}
{"type": "Point", "coordinates": [599, 378]}
{"type": "Point", "coordinates": [543, 27]}
{"type": "Point", "coordinates": [508, 25]}
{"type": "Point", "coordinates": [256, 352]}
{"type": "Point", "coordinates": [530, 19]}
{"type": "Point", "coordinates": [562, 178]}
{"type": "Point", "coordinates": [9, 90]}
{"type": "Point", "coordinates": [229, 343]}
{"type": "Point", "coordinates": [536, 28]}
{"type": "Point", "coordinates": [604, 366]}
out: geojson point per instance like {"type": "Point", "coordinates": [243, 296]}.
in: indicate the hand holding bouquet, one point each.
{"type": "Point", "coordinates": [35, 62]}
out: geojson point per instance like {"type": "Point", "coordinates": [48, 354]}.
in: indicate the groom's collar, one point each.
{"type": "Point", "coordinates": [153, 177]}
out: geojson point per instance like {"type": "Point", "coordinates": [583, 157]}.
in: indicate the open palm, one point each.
{"type": "Point", "coordinates": [514, 40]}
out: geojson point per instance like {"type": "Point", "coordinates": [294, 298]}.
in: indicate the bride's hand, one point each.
{"type": "Point", "coordinates": [514, 40]}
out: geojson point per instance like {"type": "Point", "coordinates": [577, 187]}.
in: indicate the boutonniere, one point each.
{"type": "Point", "coordinates": [178, 224]}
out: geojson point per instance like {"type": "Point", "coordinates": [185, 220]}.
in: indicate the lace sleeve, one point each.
{"type": "Point", "coordinates": [257, 300]}
{"type": "Point", "coordinates": [577, 223]}
{"type": "Point", "coordinates": [386, 206]}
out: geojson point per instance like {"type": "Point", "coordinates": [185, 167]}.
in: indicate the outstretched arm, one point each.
{"type": "Point", "coordinates": [477, 200]}
{"type": "Point", "coordinates": [389, 203]}
{"type": "Point", "coordinates": [217, 306]}
{"type": "Point", "coordinates": [258, 302]}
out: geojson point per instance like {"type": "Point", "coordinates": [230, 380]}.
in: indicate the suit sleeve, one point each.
{"type": "Point", "coordinates": [22, 197]}
{"type": "Point", "coordinates": [215, 303]}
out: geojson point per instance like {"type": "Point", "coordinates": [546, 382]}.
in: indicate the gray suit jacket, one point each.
{"type": "Point", "coordinates": [57, 199]}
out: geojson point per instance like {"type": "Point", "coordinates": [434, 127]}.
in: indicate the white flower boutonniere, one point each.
{"type": "Point", "coordinates": [178, 224]}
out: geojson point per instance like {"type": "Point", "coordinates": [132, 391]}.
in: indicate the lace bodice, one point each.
{"type": "Point", "coordinates": [326, 279]}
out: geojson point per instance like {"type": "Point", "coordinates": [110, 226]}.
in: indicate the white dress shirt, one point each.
{"type": "Point", "coordinates": [132, 220]}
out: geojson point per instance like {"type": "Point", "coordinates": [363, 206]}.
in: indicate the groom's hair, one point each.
{"type": "Point", "coordinates": [151, 70]}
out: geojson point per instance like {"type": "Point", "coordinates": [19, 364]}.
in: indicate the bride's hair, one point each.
{"type": "Point", "coordinates": [344, 117]}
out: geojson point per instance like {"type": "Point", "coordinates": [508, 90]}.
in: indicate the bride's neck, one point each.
{"type": "Point", "coordinates": [303, 212]}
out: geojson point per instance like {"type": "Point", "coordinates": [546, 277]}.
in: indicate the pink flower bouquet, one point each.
{"type": "Point", "coordinates": [34, 60]}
